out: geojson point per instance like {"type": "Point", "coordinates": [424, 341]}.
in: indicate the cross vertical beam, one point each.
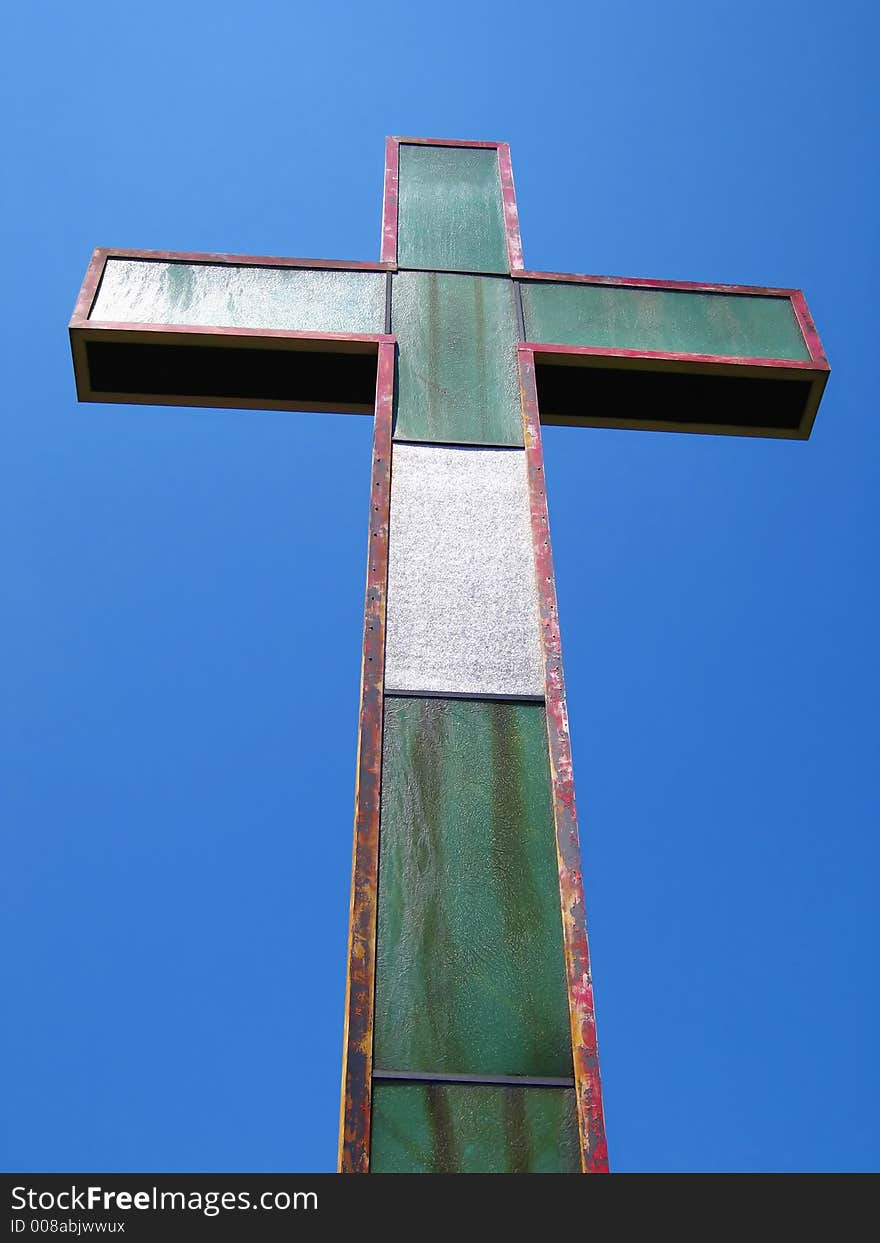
{"type": "Point", "coordinates": [466, 409]}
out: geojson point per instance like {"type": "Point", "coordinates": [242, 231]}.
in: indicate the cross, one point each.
{"type": "Point", "coordinates": [470, 1035]}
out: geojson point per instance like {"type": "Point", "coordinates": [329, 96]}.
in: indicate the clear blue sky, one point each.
{"type": "Point", "coordinates": [183, 589]}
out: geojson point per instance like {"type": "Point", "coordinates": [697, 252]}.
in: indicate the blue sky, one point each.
{"type": "Point", "coordinates": [183, 588]}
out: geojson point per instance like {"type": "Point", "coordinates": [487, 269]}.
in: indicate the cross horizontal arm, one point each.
{"type": "Point", "coordinates": [672, 355]}
{"type": "Point", "coordinates": [220, 330]}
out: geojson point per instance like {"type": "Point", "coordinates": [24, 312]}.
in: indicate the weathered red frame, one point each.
{"type": "Point", "coordinates": [585, 1051]}
{"type": "Point", "coordinates": [357, 1054]}
{"type": "Point", "coordinates": [508, 194]}
{"type": "Point", "coordinates": [83, 329]}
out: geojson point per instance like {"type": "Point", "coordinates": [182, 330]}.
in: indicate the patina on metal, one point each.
{"type": "Point", "coordinates": [457, 371]}
{"type": "Point", "coordinates": [470, 973]}
{"type": "Point", "coordinates": [470, 1031]}
{"type": "Point", "coordinates": [354, 1127]}
{"type": "Point", "coordinates": [443, 1128]}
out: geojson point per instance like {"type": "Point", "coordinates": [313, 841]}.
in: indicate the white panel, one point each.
{"type": "Point", "coordinates": [150, 291]}
{"type": "Point", "coordinates": [462, 602]}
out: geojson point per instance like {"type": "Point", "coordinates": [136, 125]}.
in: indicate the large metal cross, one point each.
{"type": "Point", "coordinates": [470, 1039]}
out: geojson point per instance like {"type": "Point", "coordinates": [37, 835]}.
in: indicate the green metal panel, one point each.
{"type": "Point", "coordinates": [670, 320]}
{"type": "Point", "coordinates": [456, 1128]}
{"type": "Point", "coordinates": [457, 375]}
{"type": "Point", "coordinates": [470, 977]}
{"type": "Point", "coordinates": [225, 295]}
{"type": "Point", "coordinates": [450, 213]}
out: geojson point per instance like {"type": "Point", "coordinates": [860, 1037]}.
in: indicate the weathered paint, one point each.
{"type": "Point", "coordinates": [705, 364]}
{"type": "Point", "coordinates": [86, 296]}
{"type": "Point", "coordinates": [149, 291]}
{"type": "Point", "coordinates": [470, 976]}
{"type": "Point", "coordinates": [666, 320]}
{"type": "Point", "coordinates": [808, 328]}
{"type": "Point", "coordinates": [645, 282]}
{"type": "Point", "coordinates": [354, 1136]}
{"type": "Point", "coordinates": [588, 1084]}
{"type": "Point", "coordinates": [389, 201]}
{"type": "Point", "coordinates": [511, 213]}
{"type": "Point", "coordinates": [462, 605]}
{"type": "Point", "coordinates": [457, 379]}
{"type": "Point", "coordinates": [450, 209]}
{"type": "Point", "coordinates": [452, 1128]}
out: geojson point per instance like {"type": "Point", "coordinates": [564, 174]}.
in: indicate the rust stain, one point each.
{"type": "Point", "coordinates": [585, 1050]}
{"type": "Point", "coordinates": [511, 214]}
{"type": "Point", "coordinates": [736, 364]}
{"type": "Point", "coordinates": [354, 1138]}
{"type": "Point", "coordinates": [389, 201]}
{"type": "Point", "coordinates": [444, 1155]}
{"type": "Point", "coordinates": [516, 1131]}
{"type": "Point", "coordinates": [642, 282]}
{"type": "Point", "coordinates": [445, 142]}
{"type": "Point", "coordinates": [89, 288]}
{"type": "Point", "coordinates": [808, 329]}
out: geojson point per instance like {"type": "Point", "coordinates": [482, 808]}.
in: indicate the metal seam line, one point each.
{"type": "Point", "coordinates": [484, 697]}
{"type": "Point", "coordinates": [515, 1081]}
{"type": "Point", "coordinates": [520, 313]}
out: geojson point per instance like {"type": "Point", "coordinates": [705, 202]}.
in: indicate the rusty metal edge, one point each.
{"type": "Point", "coordinates": [89, 288]}
{"type": "Point", "coordinates": [354, 1130]}
{"type": "Point", "coordinates": [802, 432]}
{"type": "Point", "coordinates": [445, 142]}
{"type": "Point", "coordinates": [585, 1053]}
{"type": "Point", "coordinates": [201, 334]}
{"type": "Point", "coordinates": [199, 401]}
{"type": "Point", "coordinates": [581, 278]}
{"type": "Point", "coordinates": [808, 329]}
{"type": "Point", "coordinates": [733, 363]}
{"type": "Point", "coordinates": [811, 409]}
{"type": "Point", "coordinates": [511, 212]}
{"type": "Point", "coordinates": [389, 202]}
